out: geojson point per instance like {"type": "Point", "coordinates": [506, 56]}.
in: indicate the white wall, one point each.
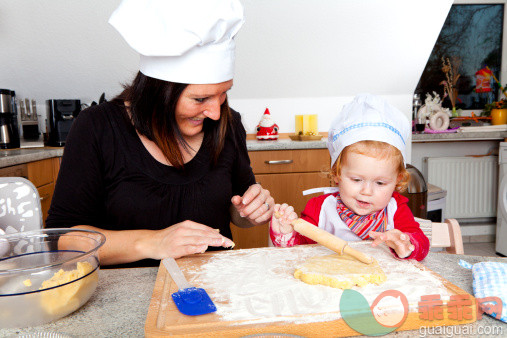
{"type": "Point", "coordinates": [293, 56]}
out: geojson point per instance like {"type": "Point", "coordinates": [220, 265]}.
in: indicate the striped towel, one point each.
{"type": "Point", "coordinates": [490, 280]}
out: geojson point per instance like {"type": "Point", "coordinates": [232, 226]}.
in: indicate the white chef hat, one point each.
{"type": "Point", "coordinates": [368, 117]}
{"type": "Point", "coordinates": [185, 41]}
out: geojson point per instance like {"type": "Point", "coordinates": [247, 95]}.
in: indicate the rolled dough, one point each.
{"type": "Point", "coordinates": [339, 271]}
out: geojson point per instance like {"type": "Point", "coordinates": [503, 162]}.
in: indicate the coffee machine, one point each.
{"type": "Point", "coordinates": [9, 132]}
{"type": "Point", "coordinates": [61, 116]}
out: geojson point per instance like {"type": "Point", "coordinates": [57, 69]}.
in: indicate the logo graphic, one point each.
{"type": "Point", "coordinates": [387, 312]}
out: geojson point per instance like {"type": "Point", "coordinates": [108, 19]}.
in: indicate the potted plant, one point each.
{"type": "Point", "coordinates": [451, 71]}
{"type": "Point", "coordinates": [497, 110]}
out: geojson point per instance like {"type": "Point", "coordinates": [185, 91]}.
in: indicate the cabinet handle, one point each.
{"type": "Point", "coordinates": [278, 162]}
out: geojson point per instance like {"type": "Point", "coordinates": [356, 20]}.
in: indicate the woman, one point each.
{"type": "Point", "coordinates": [162, 168]}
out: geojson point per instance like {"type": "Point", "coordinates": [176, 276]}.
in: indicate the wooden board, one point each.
{"type": "Point", "coordinates": [306, 137]}
{"type": "Point", "coordinates": [164, 318]}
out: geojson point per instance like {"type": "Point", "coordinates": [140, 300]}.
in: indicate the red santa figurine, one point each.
{"type": "Point", "coordinates": [267, 130]}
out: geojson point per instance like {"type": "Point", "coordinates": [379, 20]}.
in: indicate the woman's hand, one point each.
{"type": "Point", "coordinates": [282, 225]}
{"type": "Point", "coordinates": [184, 239]}
{"type": "Point", "coordinates": [256, 204]}
{"type": "Point", "coordinates": [395, 239]}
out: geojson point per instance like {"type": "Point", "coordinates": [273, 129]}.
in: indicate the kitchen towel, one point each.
{"type": "Point", "coordinates": [490, 281]}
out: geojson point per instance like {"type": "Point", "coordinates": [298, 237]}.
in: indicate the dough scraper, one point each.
{"type": "Point", "coordinates": [189, 300]}
{"type": "Point", "coordinates": [328, 240]}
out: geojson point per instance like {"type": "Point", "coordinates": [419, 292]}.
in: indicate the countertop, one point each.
{"type": "Point", "coordinates": [287, 144]}
{"type": "Point", "coordinates": [9, 157]}
{"type": "Point", "coordinates": [119, 306]}
{"type": "Point", "coordinates": [460, 136]}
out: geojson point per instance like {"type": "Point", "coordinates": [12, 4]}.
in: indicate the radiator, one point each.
{"type": "Point", "coordinates": [471, 184]}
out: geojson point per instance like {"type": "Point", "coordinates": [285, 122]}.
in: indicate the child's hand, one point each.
{"type": "Point", "coordinates": [282, 225]}
{"type": "Point", "coordinates": [395, 239]}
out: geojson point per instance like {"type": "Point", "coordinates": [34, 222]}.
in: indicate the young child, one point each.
{"type": "Point", "coordinates": [367, 144]}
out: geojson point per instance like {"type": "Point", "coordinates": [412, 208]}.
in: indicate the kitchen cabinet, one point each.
{"type": "Point", "coordinates": [19, 170]}
{"type": "Point", "coordinates": [285, 173]}
{"type": "Point", "coordinates": [42, 174]}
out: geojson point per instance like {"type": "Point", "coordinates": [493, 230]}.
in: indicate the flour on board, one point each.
{"type": "Point", "coordinates": [258, 285]}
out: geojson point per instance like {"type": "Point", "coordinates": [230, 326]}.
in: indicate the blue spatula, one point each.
{"type": "Point", "coordinates": [189, 300]}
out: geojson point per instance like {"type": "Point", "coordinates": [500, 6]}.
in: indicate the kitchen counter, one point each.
{"type": "Point", "coordinates": [120, 304]}
{"type": "Point", "coordinates": [10, 157]}
{"type": "Point", "coordinates": [288, 144]}
{"type": "Point", "coordinates": [461, 136]}
{"type": "Point", "coordinates": [285, 144]}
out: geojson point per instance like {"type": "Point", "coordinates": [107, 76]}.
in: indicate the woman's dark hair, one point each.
{"type": "Point", "coordinates": [152, 105]}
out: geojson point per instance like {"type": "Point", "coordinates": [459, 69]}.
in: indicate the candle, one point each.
{"type": "Point", "coordinates": [312, 124]}
{"type": "Point", "coordinates": [306, 124]}
{"type": "Point", "coordinates": [299, 124]}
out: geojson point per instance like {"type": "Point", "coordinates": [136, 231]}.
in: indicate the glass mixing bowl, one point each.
{"type": "Point", "coordinates": [46, 274]}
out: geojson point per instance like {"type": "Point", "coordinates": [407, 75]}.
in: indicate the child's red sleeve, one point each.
{"type": "Point", "coordinates": [311, 214]}
{"type": "Point", "coordinates": [405, 222]}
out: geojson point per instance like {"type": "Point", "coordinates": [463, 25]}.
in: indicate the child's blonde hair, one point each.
{"type": "Point", "coordinates": [378, 150]}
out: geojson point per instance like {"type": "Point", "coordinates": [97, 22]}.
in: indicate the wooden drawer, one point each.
{"type": "Point", "coordinates": [19, 170]}
{"type": "Point", "coordinates": [46, 195]}
{"type": "Point", "coordinates": [294, 161]}
{"type": "Point", "coordinates": [41, 172]}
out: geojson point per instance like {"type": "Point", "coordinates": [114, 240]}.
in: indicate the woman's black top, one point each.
{"type": "Point", "coordinates": [109, 180]}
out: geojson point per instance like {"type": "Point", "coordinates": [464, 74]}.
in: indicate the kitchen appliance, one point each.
{"type": "Point", "coordinates": [436, 203]}
{"type": "Point", "coordinates": [501, 219]}
{"type": "Point", "coordinates": [417, 192]}
{"type": "Point", "coordinates": [9, 135]}
{"type": "Point", "coordinates": [61, 115]}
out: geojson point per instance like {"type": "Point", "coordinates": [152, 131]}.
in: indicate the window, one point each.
{"type": "Point", "coordinates": [473, 33]}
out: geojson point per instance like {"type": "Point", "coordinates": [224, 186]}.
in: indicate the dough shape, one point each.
{"type": "Point", "coordinates": [340, 271]}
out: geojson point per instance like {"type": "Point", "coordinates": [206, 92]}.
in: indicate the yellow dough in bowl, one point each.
{"type": "Point", "coordinates": [339, 271]}
{"type": "Point", "coordinates": [68, 298]}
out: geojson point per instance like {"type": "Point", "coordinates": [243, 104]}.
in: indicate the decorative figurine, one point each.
{"type": "Point", "coordinates": [432, 110]}
{"type": "Point", "coordinates": [267, 130]}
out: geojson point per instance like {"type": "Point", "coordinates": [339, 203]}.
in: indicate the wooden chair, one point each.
{"type": "Point", "coordinates": [443, 235]}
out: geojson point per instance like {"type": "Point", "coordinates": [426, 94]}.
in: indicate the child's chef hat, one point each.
{"type": "Point", "coordinates": [185, 41]}
{"type": "Point", "coordinates": [368, 117]}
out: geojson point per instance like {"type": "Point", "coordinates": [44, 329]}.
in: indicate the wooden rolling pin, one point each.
{"type": "Point", "coordinates": [328, 240]}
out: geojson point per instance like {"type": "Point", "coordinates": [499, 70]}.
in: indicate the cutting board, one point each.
{"type": "Point", "coordinates": [215, 271]}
